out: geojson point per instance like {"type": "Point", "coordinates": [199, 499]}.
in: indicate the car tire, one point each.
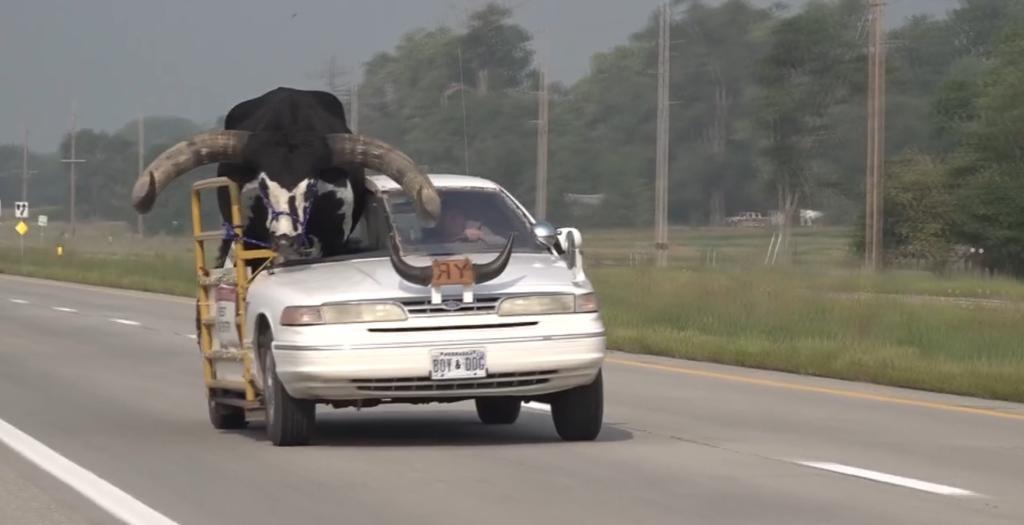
{"type": "Point", "coordinates": [290, 421]}
{"type": "Point", "coordinates": [498, 410]}
{"type": "Point", "coordinates": [224, 417]}
{"type": "Point", "coordinates": [578, 412]}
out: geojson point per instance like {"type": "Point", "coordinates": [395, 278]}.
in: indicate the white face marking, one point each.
{"type": "Point", "coordinates": [348, 204]}
{"type": "Point", "coordinates": [279, 202]}
{"type": "Point", "coordinates": [278, 197]}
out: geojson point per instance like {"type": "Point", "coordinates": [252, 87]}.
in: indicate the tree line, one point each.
{"type": "Point", "coordinates": [768, 112]}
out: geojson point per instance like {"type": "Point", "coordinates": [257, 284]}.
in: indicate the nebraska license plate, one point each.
{"type": "Point", "coordinates": [457, 364]}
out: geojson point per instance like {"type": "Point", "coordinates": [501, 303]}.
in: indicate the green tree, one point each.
{"type": "Point", "coordinates": [495, 51]}
{"type": "Point", "coordinates": [919, 209]}
{"type": "Point", "coordinates": [715, 55]}
{"type": "Point", "coordinates": [814, 66]}
{"type": "Point", "coordinates": [989, 173]}
{"type": "Point", "coordinates": [415, 97]}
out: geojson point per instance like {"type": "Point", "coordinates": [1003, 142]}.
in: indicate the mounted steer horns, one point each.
{"type": "Point", "coordinates": [346, 150]}
{"type": "Point", "coordinates": [424, 275]}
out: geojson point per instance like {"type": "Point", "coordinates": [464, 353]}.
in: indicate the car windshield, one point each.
{"type": "Point", "coordinates": [472, 221]}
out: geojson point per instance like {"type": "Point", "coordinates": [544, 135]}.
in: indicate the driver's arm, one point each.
{"type": "Point", "coordinates": [486, 234]}
{"type": "Point", "coordinates": [490, 237]}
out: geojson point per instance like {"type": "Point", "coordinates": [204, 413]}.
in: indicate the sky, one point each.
{"type": "Point", "coordinates": [115, 59]}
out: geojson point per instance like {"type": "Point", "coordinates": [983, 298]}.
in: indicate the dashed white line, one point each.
{"type": "Point", "coordinates": [18, 301]}
{"type": "Point", "coordinates": [910, 483]}
{"type": "Point", "coordinates": [125, 321]}
{"type": "Point", "coordinates": [108, 497]}
{"type": "Point", "coordinates": [533, 405]}
{"type": "Point", "coordinates": [191, 336]}
{"type": "Point", "coordinates": [64, 309]}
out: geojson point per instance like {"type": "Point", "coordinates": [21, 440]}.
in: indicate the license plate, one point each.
{"type": "Point", "coordinates": [457, 364]}
{"type": "Point", "coordinates": [452, 271]}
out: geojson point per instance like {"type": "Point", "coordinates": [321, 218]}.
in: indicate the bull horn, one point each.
{"type": "Point", "coordinates": [423, 275]}
{"type": "Point", "coordinates": [489, 271]}
{"type": "Point", "coordinates": [377, 155]}
{"type": "Point", "coordinates": [199, 150]}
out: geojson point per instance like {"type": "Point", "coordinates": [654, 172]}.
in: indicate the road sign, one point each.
{"type": "Point", "coordinates": [43, 220]}
{"type": "Point", "coordinates": [21, 228]}
{"type": "Point", "coordinates": [21, 210]}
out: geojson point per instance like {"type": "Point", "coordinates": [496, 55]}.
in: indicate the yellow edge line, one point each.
{"type": "Point", "coordinates": [820, 390]}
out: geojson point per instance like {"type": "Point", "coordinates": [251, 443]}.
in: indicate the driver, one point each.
{"type": "Point", "coordinates": [455, 227]}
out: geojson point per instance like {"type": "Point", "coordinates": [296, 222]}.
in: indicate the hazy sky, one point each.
{"type": "Point", "coordinates": [197, 58]}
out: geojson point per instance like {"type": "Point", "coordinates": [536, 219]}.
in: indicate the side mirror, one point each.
{"type": "Point", "coordinates": [547, 235]}
{"type": "Point", "coordinates": [571, 239]}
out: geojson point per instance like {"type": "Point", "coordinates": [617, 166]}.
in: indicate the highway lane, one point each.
{"type": "Point", "coordinates": [110, 380]}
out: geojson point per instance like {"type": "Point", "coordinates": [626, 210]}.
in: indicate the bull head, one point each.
{"type": "Point", "coordinates": [341, 150]}
{"type": "Point", "coordinates": [346, 150]}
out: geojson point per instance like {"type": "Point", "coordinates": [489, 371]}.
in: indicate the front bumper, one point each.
{"type": "Point", "coordinates": [526, 366]}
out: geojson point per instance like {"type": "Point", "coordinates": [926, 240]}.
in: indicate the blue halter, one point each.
{"type": "Point", "coordinates": [229, 231]}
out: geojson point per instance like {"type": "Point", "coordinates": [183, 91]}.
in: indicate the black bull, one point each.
{"type": "Point", "coordinates": [295, 147]}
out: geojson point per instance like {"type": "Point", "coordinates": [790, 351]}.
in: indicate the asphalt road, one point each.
{"type": "Point", "coordinates": [110, 380]}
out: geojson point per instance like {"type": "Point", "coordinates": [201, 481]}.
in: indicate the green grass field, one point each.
{"type": "Point", "coordinates": [770, 320]}
{"type": "Point", "coordinates": [818, 316]}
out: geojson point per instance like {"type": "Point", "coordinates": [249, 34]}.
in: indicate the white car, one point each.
{"type": "Point", "coordinates": [351, 332]}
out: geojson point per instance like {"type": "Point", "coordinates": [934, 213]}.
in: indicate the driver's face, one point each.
{"type": "Point", "coordinates": [453, 222]}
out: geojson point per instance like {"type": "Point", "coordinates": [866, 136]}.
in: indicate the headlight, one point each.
{"type": "Point", "coordinates": [548, 304]}
{"type": "Point", "coordinates": [342, 313]}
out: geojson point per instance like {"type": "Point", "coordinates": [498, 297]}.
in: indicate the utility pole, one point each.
{"type": "Point", "coordinates": [465, 119]}
{"type": "Point", "coordinates": [874, 186]}
{"type": "Point", "coordinates": [355, 107]}
{"type": "Point", "coordinates": [541, 205]}
{"type": "Point", "coordinates": [24, 166]}
{"type": "Point", "coordinates": [72, 161]}
{"type": "Point", "coordinates": [142, 158]}
{"type": "Point", "coordinates": [662, 147]}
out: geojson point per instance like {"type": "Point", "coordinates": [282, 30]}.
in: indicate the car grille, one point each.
{"type": "Point", "coordinates": [422, 307]}
{"type": "Point", "coordinates": [424, 384]}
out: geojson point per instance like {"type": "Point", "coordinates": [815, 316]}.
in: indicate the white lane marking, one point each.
{"type": "Point", "coordinates": [533, 405]}
{"type": "Point", "coordinates": [125, 321]}
{"type": "Point", "coordinates": [191, 336]}
{"type": "Point", "coordinates": [18, 301]}
{"type": "Point", "coordinates": [910, 483]}
{"type": "Point", "coordinates": [108, 497]}
{"type": "Point", "coordinates": [64, 309]}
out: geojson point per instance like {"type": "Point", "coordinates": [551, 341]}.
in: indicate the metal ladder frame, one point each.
{"type": "Point", "coordinates": [241, 279]}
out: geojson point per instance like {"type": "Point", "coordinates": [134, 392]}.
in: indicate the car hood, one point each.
{"type": "Point", "coordinates": [371, 279]}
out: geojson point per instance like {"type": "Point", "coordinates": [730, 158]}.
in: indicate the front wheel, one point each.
{"type": "Point", "coordinates": [498, 410]}
{"type": "Point", "coordinates": [578, 412]}
{"type": "Point", "coordinates": [289, 421]}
